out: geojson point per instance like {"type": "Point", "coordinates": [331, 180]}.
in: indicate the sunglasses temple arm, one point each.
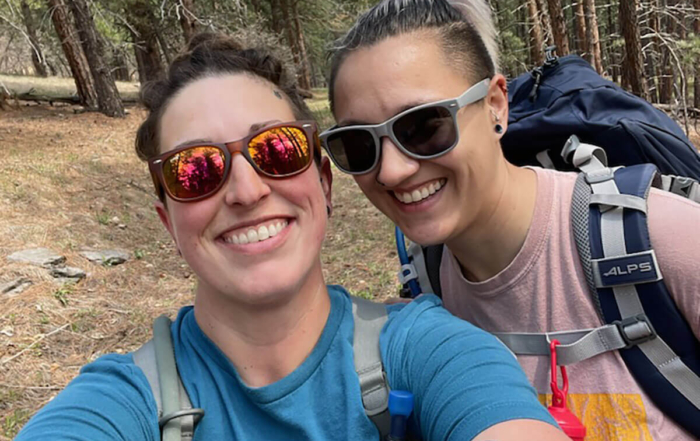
{"type": "Point", "coordinates": [475, 93]}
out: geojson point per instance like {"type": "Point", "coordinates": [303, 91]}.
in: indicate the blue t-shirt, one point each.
{"type": "Point", "coordinates": [463, 380]}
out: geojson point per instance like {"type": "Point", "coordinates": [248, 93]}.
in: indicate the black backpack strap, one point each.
{"type": "Point", "coordinates": [433, 259]}
{"type": "Point", "coordinates": [609, 222]}
{"type": "Point", "coordinates": [369, 320]}
{"type": "Point", "coordinates": [176, 417]}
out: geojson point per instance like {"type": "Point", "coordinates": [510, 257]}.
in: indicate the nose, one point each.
{"type": "Point", "coordinates": [394, 166]}
{"type": "Point", "coordinates": [245, 186]}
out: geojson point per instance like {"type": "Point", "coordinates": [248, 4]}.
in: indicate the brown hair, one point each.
{"type": "Point", "coordinates": [210, 54]}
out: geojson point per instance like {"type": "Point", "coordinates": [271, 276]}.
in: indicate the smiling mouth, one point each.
{"type": "Point", "coordinates": [266, 230]}
{"type": "Point", "coordinates": [421, 193]}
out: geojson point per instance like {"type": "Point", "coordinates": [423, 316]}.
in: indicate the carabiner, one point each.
{"type": "Point", "coordinates": [558, 395]}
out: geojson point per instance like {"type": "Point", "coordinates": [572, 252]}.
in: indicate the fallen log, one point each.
{"type": "Point", "coordinates": [67, 99]}
{"type": "Point", "coordinates": [692, 111]}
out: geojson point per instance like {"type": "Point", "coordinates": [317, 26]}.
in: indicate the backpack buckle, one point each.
{"type": "Point", "coordinates": [635, 330]}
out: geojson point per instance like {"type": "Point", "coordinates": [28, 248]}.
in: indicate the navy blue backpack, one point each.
{"type": "Point", "coordinates": [567, 96]}
{"type": "Point", "coordinates": [639, 318]}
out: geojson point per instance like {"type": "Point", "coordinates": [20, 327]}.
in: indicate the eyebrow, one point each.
{"type": "Point", "coordinates": [355, 122]}
{"type": "Point", "coordinates": [253, 128]}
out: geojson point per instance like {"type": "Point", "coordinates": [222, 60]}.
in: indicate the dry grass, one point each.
{"type": "Point", "coordinates": [64, 177]}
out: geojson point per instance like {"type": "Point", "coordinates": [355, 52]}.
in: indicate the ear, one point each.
{"type": "Point", "coordinates": [497, 100]}
{"type": "Point", "coordinates": [326, 180]}
{"type": "Point", "coordinates": [164, 216]}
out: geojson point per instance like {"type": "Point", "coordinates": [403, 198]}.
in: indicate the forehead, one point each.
{"type": "Point", "coordinates": [220, 109]}
{"type": "Point", "coordinates": [376, 82]}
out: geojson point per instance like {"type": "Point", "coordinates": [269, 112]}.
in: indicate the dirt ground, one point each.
{"type": "Point", "coordinates": [72, 181]}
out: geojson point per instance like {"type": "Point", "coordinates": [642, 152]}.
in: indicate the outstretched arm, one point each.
{"type": "Point", "coordinates": [466, 384]}
{"type": "Point", "coordinates": [110, 400]}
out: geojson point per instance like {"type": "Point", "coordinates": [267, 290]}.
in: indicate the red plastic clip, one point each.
{"type": "Point", "coordinates": [558, 395]}
{"type": "Point", "coordinates": [568, 422]}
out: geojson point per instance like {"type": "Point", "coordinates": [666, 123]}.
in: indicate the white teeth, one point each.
{"type": "Point", "coordinates": [263, 232]}
{"type": "Point", "coordinates": [420, 193]}
{"type": "Point", "coordinates": [252, 236]}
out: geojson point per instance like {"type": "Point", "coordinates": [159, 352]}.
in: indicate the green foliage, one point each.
{"type": "Point", "coordinates": [13, 422]}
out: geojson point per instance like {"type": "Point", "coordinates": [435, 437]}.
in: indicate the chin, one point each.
{"type": "Point", "coordinates": [425, 234]}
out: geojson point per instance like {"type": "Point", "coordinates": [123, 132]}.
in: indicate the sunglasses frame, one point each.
{"type": "Point", "coordinates": [239, 146]}
{"type": "Point", "coordinates": [475, 93]}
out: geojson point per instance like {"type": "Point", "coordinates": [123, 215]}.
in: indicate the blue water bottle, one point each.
{"type": "Point", "coordinates": [400, 408]}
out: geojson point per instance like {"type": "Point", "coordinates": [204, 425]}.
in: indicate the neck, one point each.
{"type": "Point", "coordinates": [493, 240]}
{"type": "Point", "coordinates": [266, 342]}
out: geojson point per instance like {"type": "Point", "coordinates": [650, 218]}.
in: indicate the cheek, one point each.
{"type": "Point", "coordinates": [190, 220]}
{"type": "Point", "coordinates": [368, 184]}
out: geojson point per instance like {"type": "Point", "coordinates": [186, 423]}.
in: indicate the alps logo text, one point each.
{"type": "Point", "coordinates": [629, 269]}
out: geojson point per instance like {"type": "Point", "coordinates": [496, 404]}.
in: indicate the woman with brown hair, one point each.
{"type": "Point", "coordinates": [267, 349]}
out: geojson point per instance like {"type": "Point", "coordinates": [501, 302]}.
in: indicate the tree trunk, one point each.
{"type": "Point", "coordinates": [666, 80]}
{"type": "Point", "coordinates": [592, 36]}
{"type": "Point", "coordinates": [287, 22]}
{"type": "Point", "coordinates": [120, 69]}
{"type": "Point", "coordinates": [108, 100]}
{"type": "Point", "coordinates": [276, 19]}
{"type": "Point", "coordinates": [556, 16]}
{"type": "Point", "coordinates": [304, 71]}
{"type": "Point", "coordinates": [632, 65]}
{"type": "Point", "coordinates": [74, 54]}
{"type": "Point", "coordinates": [613, 50]}
{"type": "Point", "coordinates": [580, 21]}
{"type": "Point", "coordinates": [654, 58]}
{"type": "Point", "coordinates": [536, 41]}
{"type": "Point", "coordinates": [145, 40]}
{"type": "Point", "coordinates": [187, 22]}
{"type": "Point", "coordinates": [545, 23]}
{"type": "Point", "coordinates": [696, 30]}
{"type": "Point", "coordinates": [37, 55]}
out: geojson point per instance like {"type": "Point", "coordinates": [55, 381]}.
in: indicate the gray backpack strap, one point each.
{"type": "Point", "coordinates": [156, 358]}
{"type": "Point", "coordinates": [623, 282]}
{"type": "Point", "coordinates": [575, 346]}
{"type": "Point", "coordinates": [369, 320]}
{"type": "Point", "coordinates": [682, 186]}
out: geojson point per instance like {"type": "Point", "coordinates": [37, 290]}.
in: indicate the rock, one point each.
{"type": "Point", "coordinates": [121, 226]}
{"type": "Point", "coordinates": [37, 256]}
{"type": "Point", "coordinates": [68, 272]}
{"type": "Point", "coordinates": [106, 257]}
{"type": "Point", "coordinates": [15, 287]}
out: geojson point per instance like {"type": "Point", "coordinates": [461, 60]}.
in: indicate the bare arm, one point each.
{"type": "Point", "coordinates": [522, 430]}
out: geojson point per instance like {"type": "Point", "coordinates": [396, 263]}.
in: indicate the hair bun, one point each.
{"type": "Point", "coordinates": [151, 93]}
{"type": "Point", "coordinates": [213, 42]}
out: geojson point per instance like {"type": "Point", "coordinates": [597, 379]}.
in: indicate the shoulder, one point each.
{"type": "Point", "coordinates": [109, 400]}
{"type": "Point", "coordinates": [419, 327]}
{"type": "Point", "coordinates": [464, 378]}
{"type": "Point", "coordinates": [673, 222]}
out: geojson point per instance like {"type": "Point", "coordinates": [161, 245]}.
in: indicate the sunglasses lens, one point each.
{"type": "Point", "coordinates": [426, 132]}
{"type": "Point", "coordinates": [352, 150]}
{"type": "Point", "coordinates": [280, 151]}
{"type": "Point", "coordinates": [194, 172]}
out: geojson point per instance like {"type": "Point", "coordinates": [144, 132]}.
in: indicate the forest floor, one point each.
{"type": "Point", "coordinates": [71, 182]}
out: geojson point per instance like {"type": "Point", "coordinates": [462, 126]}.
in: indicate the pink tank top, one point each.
{"type": "Point", "coordinates": [544, 289]}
